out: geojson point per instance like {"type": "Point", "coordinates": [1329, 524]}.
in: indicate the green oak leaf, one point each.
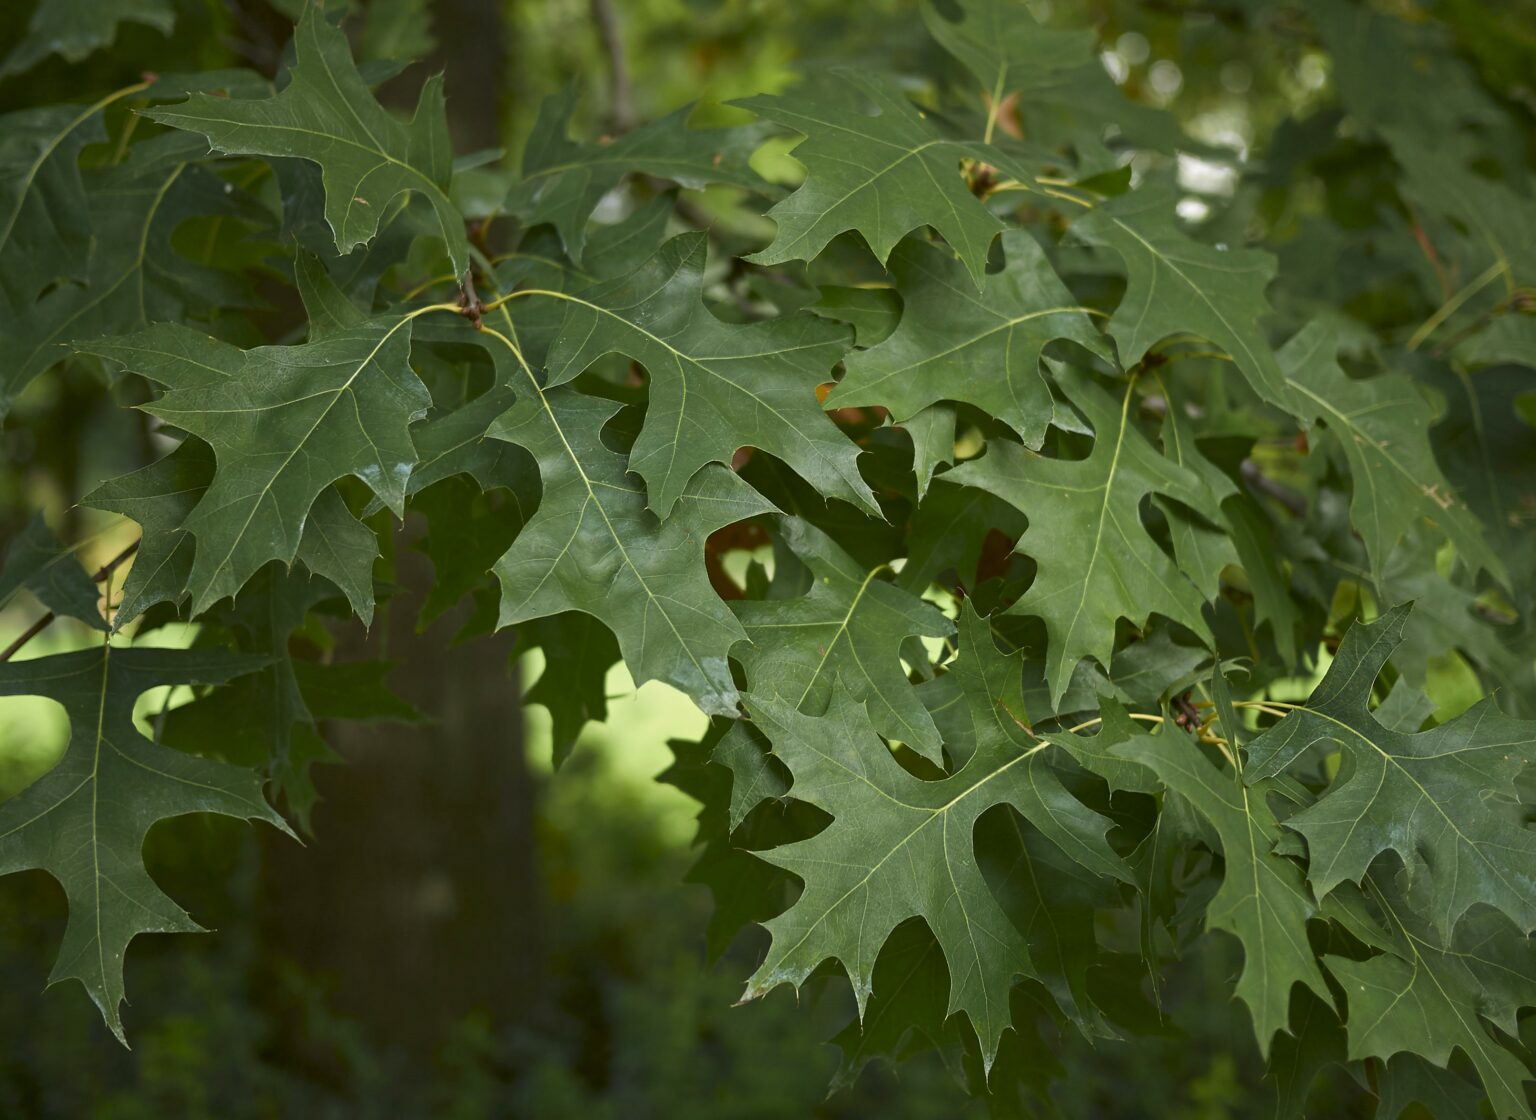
{"type": "Point", "coordinates": [134, 275]}
{"type": "Point", "coordinates": [873, 313]}
{"type": "Point", "coordinates": [743, 887]}
{"type": "Point", "coordinates": [714, 386]}
{"type": "Point", "coordinates": [1253, 534]}
{"type": "Point", "coordinates": [932, 432]}
{"type": "Point", "coordinates": [1446, 615]}
{"type": "Point", "coordinates": [982, 349]}
{"type": "Point", "coordinates": [262, 718]}
{"type": "Point", "coordinates": [161, 496]}
{"type": "Point", "coordinates": [578, 652]}
{"type": "Point", "coordinates": [563, 181]}
{"type": "Point", "coordinates": [326, 114]}
{"type": "Point", "coordinates": [84, 822]}
{"type": "Point", "coordinates": [907, 1006]}
{"type": "Point", "coordinates": [42, 196]}
{"type": "Point", "coordinates": [1427, 995]}
{"type": "Point", "coordinates": [340, 548]}
{"type": "Point", "coordinates": [1444, 800]}
{"type": "Point", "coordinates": [1003, 46]}
{"type": "Point", "coordinates": [950, 529]}
{"type": "Point", "coordinates": [1263, 899]}
{"type": "Point", "coordinates": [1175, 284]}
{"type": "Point", "coordinates": [1228, 528]}
{"type": "Point", "coordinates": [1097, 753]}
{"type": "Point", "coordinates": [73, 29]}
{"type": "Point", "coordinates": [1382, 425]}
{"type": "Point", "coordinates": [883, 174]}
{"type": "Point", "coordinates": [1501, 222]}
{"type": "Point", "coordinates": [848, 627]}
{"type": "Point", "coordinates": [36, 561]}
{"type": "Point", "coordinates": [992, 689]}
{"type": "Point", "coordinates": [1064, 94]}
{"type": "Point", "coordinates": [398, 29]}
{"type": "Point", "coordinates": [593, 546]}
{"type": "Point", "coordinates": [755, 776]}
{"type": "Point", "coordinates": [272, 717]}
{"type": "Point", "coordinates": [1202, 542]}
{"type": "Point", "coordinates": [1435, 140]}
{"type": "Point", "coordinates": [158, 497]}
{"type": "Point", "coordinates": [284, 423]}
{"type": "Point", "coordinates": [1096, 562]}
{"type": "Point", "coordinates": [1411, 1080]}
{"type": "Point", "coordinates": [898, 847]}
{"type": "Point", "coordinates": [1508, 339]}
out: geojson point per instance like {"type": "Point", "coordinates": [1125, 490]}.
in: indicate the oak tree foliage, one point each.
{"type": "Point", "coordinates": [995, 503]}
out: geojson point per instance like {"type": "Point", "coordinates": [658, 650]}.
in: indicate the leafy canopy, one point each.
{"type": "Point", "coordinates": [1071, 561]}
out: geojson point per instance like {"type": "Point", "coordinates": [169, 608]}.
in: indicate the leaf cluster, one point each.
{"type": "Point", "coordinates": [1067, 580]}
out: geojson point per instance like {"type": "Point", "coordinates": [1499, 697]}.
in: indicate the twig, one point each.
{"type": "Point", "coordinates": [27, 635]}
{"type": "Point", "coordinates": [1187, 716]}
{"type": "Point", "coordinates": [621, 112]}
{"type": "Point", "coordinates": [102, 573]}
{"type": "Point", "coordinates": [470, 304]}
{"type": "Point", "coordinates": [1518, 302]}
{"type": "Point", "coordinates": [1452, 305]}
{"type": "Point", "coordinates": [1427, 247]}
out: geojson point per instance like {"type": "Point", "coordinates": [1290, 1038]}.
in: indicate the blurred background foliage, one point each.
{"type": "Point", "coordinates": [617, 1010]}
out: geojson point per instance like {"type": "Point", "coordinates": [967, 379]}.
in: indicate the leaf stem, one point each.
{"type": "Point", "coordinates": [994, 103]}
{"type": "Point", "coordinates": [1069, 198]}
{"type": "Point", "coordinates": [1453, 305]}
{"type": "Point", "coordinates": [1145, 717]}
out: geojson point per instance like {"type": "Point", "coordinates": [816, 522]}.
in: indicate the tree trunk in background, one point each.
{"type": "Point", "coordinates": [475, 51]}
{"type": "Point", "coordinates": [417, 897]}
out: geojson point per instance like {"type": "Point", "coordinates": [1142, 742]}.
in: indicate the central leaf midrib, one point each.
{"type": "Point", "coordinates": [592, 495]}
{"type": "Point", "coordinates": [1098, 538]}
{"type": "Point", "coordinates": [934, 814]}
{"type": "Point", "coordinates": [299, 444]}
{"type": "Point", "coordinates": [840, 632]}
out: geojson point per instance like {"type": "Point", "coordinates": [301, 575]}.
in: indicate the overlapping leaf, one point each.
{"type": "Point", "coordinates": [848, 627]}
{"type": "Point", "coordinates": [1096, 561]}
{"type": "Point", "coordinates": [327, 115]}
{"type": "Point", "coordinates": [133, 276]}
{"type": "Point", "coordinates": [1382, 425]}
{"type": "Point", "coordinates": [714, 386]}
{"type": "Point", "coordinates": [956, 344]}
{"type": "Point", "coordinates": [74, 29]}
{"type": "Point", "coordinates": [35, 560]}
{"type": "Point", "coordinates": [84, 822]}
{"type": "Point", "coordinates": [1062, 90]}
{"type": "Point", "coordinates": [1002, 45]}
{"type": "Point", "coordinates": [900, 847]}
{"type": "Point", "coordinates": [1428, 995]}
{"type": "Point", "coordinates": [883, 174]}
{"type": "Point", "coordinates": [1443, 800]}
{"type": "Point", "coordinates": [42, 196]}
{"type": "Point", "coordinates": [594, 547]}
{"type": "Point", "coordinates": [1175, 284]}
{"type": "Point", "coordinates": [1263, 899]}
{"type": "Point", "coordinates": [284, 423]}
{"type": "Point", "coordinates": [563, 181]}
